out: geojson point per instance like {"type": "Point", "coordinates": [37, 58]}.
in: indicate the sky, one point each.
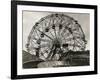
{"type": "Point", "coordinates": [31, 17]}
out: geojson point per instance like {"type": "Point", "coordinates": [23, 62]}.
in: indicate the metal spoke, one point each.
{"type": "Point", "coordinates": [54, 28]}
{"type": "Point", "coordinates": [50, 52]}
{"type": "Point", "coordinates": [45, 45]}
{"type": "Point", "coordinates": [74, 45]}
{"type": "Point", "coordinates": [45, 40]}
{"type": "Point", "coordinates": [42, 55]}
{"type": "Point", "coordinates": [49, 26]}
{"type": "Point", "coordinates": [45, 34]}
{"type": "Point", "coordinates": [81, 45]}
{"type": "Point", "coordinates": [51, 34]}
{"type": "Point", "coordinates": [37, 34]}
{"type": "Point", "coordinates": [34, 41]}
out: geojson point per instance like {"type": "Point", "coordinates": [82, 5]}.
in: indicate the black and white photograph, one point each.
{"type": "Point", "coordinates": [55, 39]}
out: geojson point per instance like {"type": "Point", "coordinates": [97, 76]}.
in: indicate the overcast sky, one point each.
{"type": "Point", "coordinates": [31, 17]}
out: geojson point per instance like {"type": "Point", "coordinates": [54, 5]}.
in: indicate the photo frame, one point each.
{"type": "Point", "coordinates": [53, 39]}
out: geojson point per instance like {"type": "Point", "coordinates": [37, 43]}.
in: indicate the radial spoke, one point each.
{"type": "Point", "coordinates": [55, 33]}
{"type": "Point", "coordinates": [61, 20]}
{"type": "Point", "coordinates": [72, 38]}
{"type": "Point", "coordinates": [63, 37]}
{"type": "Point", "coordinates": [76, 33]}
{"type": "Point", "coordinates": [54, 28]}
{"type": "Point", "coordinates": [79, 42]}
{"type": "Point", "coordinates": [74, 45]}
{"type": "Point", "coordinates": [42, 55]}
{"type": "Point", "coordinates": [33, 41]}
{"type": "Point", "coordinates": [49, 28]}
{"type": "Point", "coordinates": [32, 47]}
{"type": "Point", "coordinates": [68, 37]}
{"type": "Point", "coordinates": [34, 38]}
{"type": "Point", "coordinates": [45, 45]}
{"type": "Point", "coordinates": [75, 48]}
{"type": "Point", "coordinates": [53, 53]}
{"type": "Point", "coordinates": [45, 40]}
{"type": "Point", "coordinates": [50, 53]}
{"type": "Point", "coordinates": [51, 34]}
{"type": "Point", "coordinates": [81, 45]}
{"type": "Point", "coordinates": [45, 34]}
{"type": "Point", "coordinates": [45, 23]}
{"type": "Point", "coordinates": [57, 20]}
{"type": "Point", "coordinates": [37, 34]}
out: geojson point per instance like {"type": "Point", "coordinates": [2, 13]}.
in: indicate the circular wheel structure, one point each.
{"type": "Point", "coordinates": [55, 35]}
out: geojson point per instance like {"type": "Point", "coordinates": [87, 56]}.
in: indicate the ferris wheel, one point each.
{"type": "Point", "coordinates": [54, 35]}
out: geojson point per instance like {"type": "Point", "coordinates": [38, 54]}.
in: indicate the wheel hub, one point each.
{"type": "Point", "coordinates": [57, 43]}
